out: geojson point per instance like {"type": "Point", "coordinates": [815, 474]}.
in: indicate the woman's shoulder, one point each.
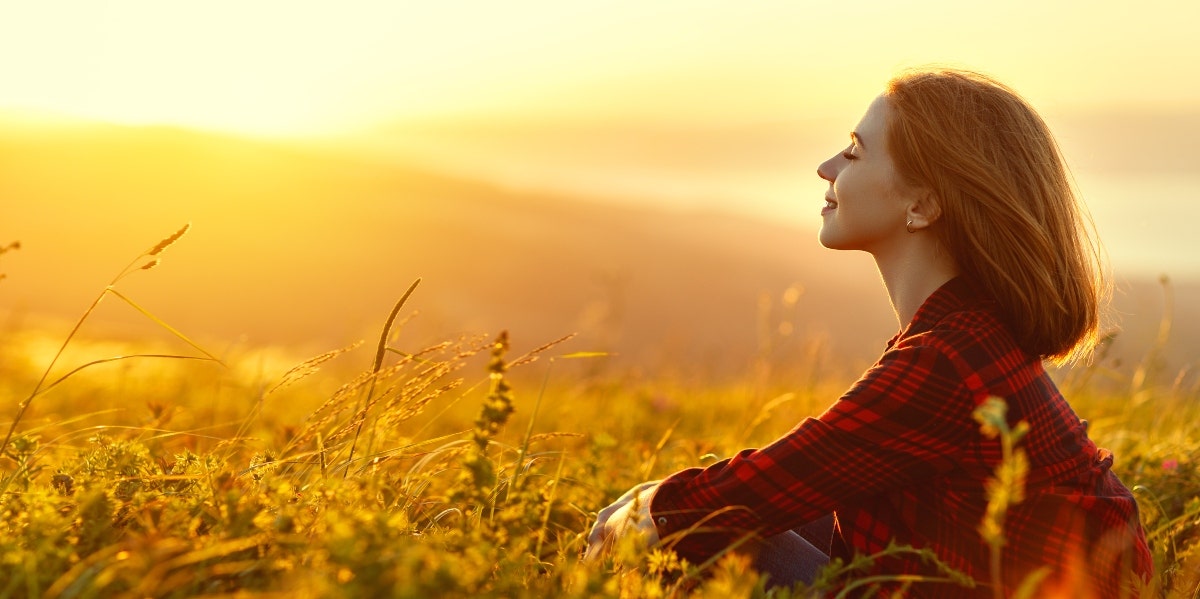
{"type": "Point", "coordinates": [971, 334]}
{"type": "Point", "coordinates": [972, 351]}
{"type": "Point", "coordinates": [955, 313]}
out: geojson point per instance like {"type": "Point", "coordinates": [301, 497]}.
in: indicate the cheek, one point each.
{"type": "Point", "coordinates": [852, 184]}
{"type": "Point", "coordinates": [866, 185]}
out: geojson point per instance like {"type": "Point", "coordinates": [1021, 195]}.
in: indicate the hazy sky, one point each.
{"type": "Point", "coordinates": [693, 103]}
{"type": "Point", "coordinates": [295, 66]}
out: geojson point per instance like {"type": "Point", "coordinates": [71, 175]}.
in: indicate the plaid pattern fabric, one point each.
{"type": "Point", "coordinates": [900, 458]}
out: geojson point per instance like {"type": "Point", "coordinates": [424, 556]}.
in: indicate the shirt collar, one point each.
{"type": "Point", "coordinates": [953, 296]}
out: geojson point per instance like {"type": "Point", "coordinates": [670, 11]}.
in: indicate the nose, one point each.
{"type": "Point", "coordinates": [828, 169]}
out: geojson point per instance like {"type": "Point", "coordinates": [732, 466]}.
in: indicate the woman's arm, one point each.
{"type": "Point", "coordinates": [902, 422]}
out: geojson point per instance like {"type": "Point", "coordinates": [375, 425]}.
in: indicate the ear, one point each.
{"type": "Point", "coordinates": [923, 210]}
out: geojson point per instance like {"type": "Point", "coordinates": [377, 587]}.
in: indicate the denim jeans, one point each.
{"type": "Point", "coordinates": [795, 555]}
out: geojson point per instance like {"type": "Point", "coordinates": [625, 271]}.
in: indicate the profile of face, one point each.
{"type": "Point", "coordinates": [867, 205]}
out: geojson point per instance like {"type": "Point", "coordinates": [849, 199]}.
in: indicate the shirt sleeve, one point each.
{"type": "Point", "coordinates": [903, 421]}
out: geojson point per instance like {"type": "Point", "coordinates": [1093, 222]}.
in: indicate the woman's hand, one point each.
{"type": "Point", "coordinates": [629, 514]}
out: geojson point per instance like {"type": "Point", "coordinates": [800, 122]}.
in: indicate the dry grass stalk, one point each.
{"type": "Point", "coordinates": [324, 418]}
{"type": "Point", "coordinates": [401, 405]}
{"type": "Point", "coordinates": [387, 326]}
{"type": "Point", "coordinates": [310, 366]}
{"type": "Point", "coordinates": [331, 409]}
{"type": "Point", "coordinates": [379, 354]}
{"type": "Point", "coordinates": [169, 241]}
{"type": "Point", "coordinates": [556, 435]}
{"type": "Point", "coordinates": [412, 408]}
{"type": "Point", "coordinates": [532, 355]}
{"type": "Point", "coordinates": [41, 386]}
{"type": "Point", "coordinates": [421, 381]}
{"type": "Point", "coordinates": [16, 245]}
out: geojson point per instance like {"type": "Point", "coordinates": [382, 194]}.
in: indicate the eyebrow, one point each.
{"type": "Point", "coordinates": [856, 138]}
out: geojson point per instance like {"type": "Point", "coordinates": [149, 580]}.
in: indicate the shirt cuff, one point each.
{"type": "Point", "coordinates": [679, 526]}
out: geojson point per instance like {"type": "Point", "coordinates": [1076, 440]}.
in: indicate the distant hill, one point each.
{"type": "Point", "coordinates": [309, 248]}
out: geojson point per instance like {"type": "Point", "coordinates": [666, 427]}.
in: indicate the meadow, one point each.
{"type": "Point", "coordinates": [470, 467]}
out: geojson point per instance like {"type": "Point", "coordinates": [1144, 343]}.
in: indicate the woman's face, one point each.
{"type": "Point", "coordinates": [866, 204]}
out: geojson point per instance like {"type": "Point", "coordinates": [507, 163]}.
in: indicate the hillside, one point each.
{"type": "Point", "coordinates": [307, 247]}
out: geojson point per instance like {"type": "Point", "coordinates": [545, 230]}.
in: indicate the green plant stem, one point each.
{"type": "Point", "coordinates": [537, 552]}
{"type": "Point", "coordinates": [37, 389]}
{"type": "Point", "coordinates": [514, 485]}
{"type": "Point", "coordinates": [129, 268]}
{"type": "Point", "coordinates": [158, 321]}
{"type": "Point", "coordinates": [378, 364]}
{"type": "Point", "coordinates": [861, 582]}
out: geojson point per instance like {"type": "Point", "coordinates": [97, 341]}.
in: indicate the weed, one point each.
{"type": "Point", "coordinates": [438, 497]}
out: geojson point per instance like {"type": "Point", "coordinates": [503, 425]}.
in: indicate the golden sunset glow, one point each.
{"type": "Point", "coordinates": [276, 67]}
{"type": "Point", "coordinates": [328, 152]}
{"type": "Point", "coordinates": [275, 275]}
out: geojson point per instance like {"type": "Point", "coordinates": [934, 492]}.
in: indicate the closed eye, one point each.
{"type": "Point", "coordinates": [848, 156]}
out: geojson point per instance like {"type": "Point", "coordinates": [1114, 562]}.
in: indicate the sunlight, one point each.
{"type": "Point", "coordinates": [281, 68]}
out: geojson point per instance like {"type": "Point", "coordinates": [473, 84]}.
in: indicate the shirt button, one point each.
{"type": "Point", "coordinates": [662, 521]}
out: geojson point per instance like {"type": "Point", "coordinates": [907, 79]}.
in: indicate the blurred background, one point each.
{"type": "Point", "coordinates": [642, 173]}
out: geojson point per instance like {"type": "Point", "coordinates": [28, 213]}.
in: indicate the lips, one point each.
{"type": "Point", "coordinates": [830, 205]}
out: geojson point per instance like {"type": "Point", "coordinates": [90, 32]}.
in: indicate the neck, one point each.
{"type": "Point", "coordinates": [912, 273]}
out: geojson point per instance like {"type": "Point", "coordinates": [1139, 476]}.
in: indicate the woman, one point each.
{"type": "Point", "coordinates": [957, 189]}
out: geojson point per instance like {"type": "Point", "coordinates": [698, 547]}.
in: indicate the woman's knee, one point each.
{"type": "Point", "coordinates": [787, 558]}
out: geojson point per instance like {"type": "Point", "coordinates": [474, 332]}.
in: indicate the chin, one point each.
{"type": "Point", "coordinates": [828, 240]}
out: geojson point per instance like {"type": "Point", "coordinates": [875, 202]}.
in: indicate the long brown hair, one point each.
{"type": "Point", "coordinates": [1009, 214]}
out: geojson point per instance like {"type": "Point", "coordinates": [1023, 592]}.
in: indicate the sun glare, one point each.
{"type": "Point", "coordinates": [260, 68]}
{"type": "Point", "coordinates": [279, 67]}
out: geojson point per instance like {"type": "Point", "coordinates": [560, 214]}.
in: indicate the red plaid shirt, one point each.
{"type": "Point", "coordinates": [900, 458]}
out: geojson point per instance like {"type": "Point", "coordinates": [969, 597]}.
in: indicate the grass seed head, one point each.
{"type": "Point", "coordinates": [166, 243]}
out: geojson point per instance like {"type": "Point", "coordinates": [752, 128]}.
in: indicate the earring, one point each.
{"type": "Point", "coordinates": [908, 227]}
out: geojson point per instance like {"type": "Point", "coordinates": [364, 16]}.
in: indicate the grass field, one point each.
{"type": "Point", "coordinates": [470, 468]}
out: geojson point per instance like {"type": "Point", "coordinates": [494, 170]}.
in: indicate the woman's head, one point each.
{"type": "Point", "coordinates": [1009, 216]}
{"type": "Point", "coordinates": [868, 207]}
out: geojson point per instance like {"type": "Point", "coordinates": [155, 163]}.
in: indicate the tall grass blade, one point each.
{"type": "Point", "coordinates": [158, 321]}
{"type": "Point", "coordinates": [64, 377]}
{"type": "Point", "coordinates": [380, 351]}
